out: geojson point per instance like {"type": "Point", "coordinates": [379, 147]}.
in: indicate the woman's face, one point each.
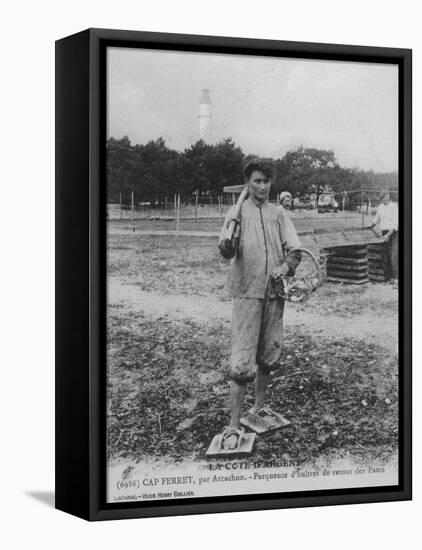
{"type": "Point", "coordinates": [259, 186]}
{"type": "Point", "coordinates": [286, 202]}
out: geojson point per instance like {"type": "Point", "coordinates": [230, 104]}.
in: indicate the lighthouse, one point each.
{"type": "Point", "coordinates": [205, 116]}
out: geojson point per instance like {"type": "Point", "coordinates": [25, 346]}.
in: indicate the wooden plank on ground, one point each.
{"type": "Point", "coordinates": [358, 253]}
{"type": "Point", "coordinates": [379, 247]}
{"type": "Point", "coordinates": [380, 261]}
{"type": "Point", "coordinates": [341, 260]}
{"type": "Point", "coordinates": [348, 281]}
{"type": "Point", "coordinates": [347, 274]}
{"type": "Point", "coordinates": [377, 268]}
{"type": "Point", "coordinates": [346, 268]}
{"type": "Point", "coordinates": [376, 271]}
{"type": "Point", "coordinates": [373, 277]}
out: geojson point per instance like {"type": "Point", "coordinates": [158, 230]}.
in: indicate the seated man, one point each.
{"type": "Point", "coordinates": [266, 237]}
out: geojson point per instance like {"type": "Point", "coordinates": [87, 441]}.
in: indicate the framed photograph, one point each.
{"type": "Point", "coordinates": [233, 274]}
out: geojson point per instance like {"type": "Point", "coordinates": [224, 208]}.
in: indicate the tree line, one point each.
{"type": "Point", "coordinates": [154, 172]}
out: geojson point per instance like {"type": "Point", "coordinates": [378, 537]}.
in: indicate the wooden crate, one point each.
{"type": "Point", "coordinates": [378, 262]}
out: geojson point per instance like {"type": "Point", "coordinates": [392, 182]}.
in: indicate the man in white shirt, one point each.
{"type": "Point", "coordinates": [388, 219]}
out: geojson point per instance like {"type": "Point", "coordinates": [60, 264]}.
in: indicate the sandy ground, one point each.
{"type": "Point", "coordinates": [382, 331]}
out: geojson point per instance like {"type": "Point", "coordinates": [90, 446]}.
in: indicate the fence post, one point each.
{"type": "Point", "coordinates": [133, 209]}
{"type": "Point", "coordinates": [178, 214]}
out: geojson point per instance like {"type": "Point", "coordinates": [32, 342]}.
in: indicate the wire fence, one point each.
{"type": "Point", "coordinates": [209, 218]}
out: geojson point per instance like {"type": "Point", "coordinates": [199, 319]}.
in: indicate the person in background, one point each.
{"type": "Point", "coordinates": [286, 200]}
{"type": "Point", "coordinates": [388, 219]}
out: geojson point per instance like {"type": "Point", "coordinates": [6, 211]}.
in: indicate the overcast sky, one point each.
{"type": "Point", "coordinates": [266, 105]}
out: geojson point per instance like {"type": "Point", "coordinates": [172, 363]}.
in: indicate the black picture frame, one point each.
{"type": "Point", "coordinates": [81, 282]}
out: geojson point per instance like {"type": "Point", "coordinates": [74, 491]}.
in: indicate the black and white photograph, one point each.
{"type": "Point", "coordinates": [209, 248]}
{"type": "Point", "coordinates": [252, 217]}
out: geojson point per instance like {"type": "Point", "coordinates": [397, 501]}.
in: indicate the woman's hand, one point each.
{"type": "Point", "coordinates": [280, 272]}
{"type": "Point", "coordinates": [226, 248]}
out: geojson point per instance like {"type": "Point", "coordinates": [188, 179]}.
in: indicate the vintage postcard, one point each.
{"type": "Point", "coordinates": [252, 274]}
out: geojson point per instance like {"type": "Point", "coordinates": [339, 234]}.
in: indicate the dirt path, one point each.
{"type": "Point", "coordinates": [203, 309]}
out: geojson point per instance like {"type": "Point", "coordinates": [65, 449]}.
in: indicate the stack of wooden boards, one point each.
{"type": "Point", "coordinates": [351, 253]}
{"type": "Point", "coordinates": [357, 263]}
{"type": "Point", "coordinates": [378, 263]}
{"type": "Point", "coordinates": [348, 264]}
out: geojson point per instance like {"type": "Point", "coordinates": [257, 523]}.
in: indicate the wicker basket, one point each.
{"type": "Point", "coordinates": [306, 280]}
